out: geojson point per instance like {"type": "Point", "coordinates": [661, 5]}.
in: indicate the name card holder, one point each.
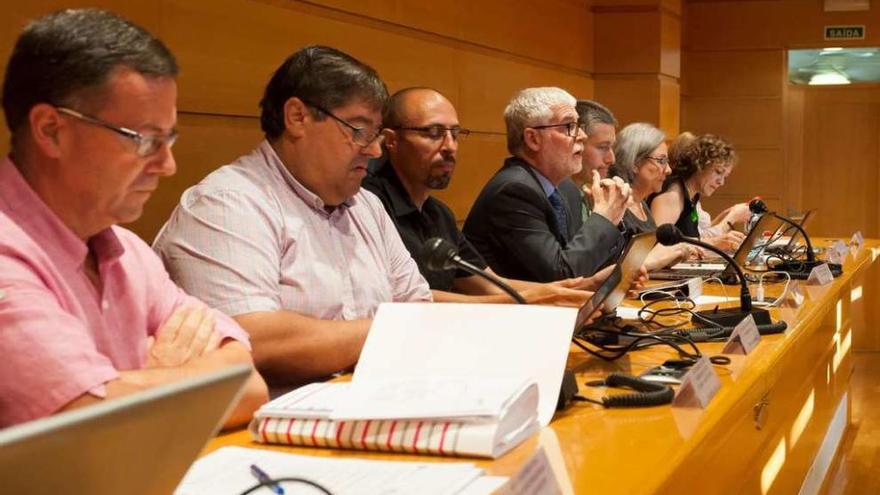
{"type": "Point", "coordinates": [698, 386]}
{"type": "Point", "coordinates": [744, 338]}
{"type": "Point", "coordinates": [837, 253]}
{"type": "Point", "coordinates": [820, 275]}
{"type": "Point", "coordinates": [855, 244]}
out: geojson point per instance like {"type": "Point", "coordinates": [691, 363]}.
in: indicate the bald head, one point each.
{"type": "Point", "coordinates": [421, 139]}
{"type": "Point", "coordinates": [402, 105]}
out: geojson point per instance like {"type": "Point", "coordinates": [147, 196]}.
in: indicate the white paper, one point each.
{"type": "Point", "coordinates": [820, 275]}
{"type": "Point", "coordinates": [699, 266]}
{"type": "Point", "coordinates": [227, 471]}
{"type": "Point", "coordinates": [429, 397]}
{"type": "Point", "coordinates": [481, 340]}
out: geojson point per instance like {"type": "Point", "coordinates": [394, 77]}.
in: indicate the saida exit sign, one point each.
{"type": "Point", "coordinates": [845, 32]}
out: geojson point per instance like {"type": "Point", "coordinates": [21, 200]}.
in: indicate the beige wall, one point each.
{"type": "Point", "coordinates": [477, 52]}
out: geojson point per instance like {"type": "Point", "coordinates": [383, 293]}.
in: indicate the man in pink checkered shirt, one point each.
{"type": "Point", "coordinates": [87, 311]}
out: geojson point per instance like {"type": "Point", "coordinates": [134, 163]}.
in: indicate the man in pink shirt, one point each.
{"type": "Point", "coordinates": [87, 311]}
{"type": "Point", "coordinates": [283, 239]}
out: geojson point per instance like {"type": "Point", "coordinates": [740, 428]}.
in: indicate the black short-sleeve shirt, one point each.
{"type": "Point", "coordinates": [415, 227]}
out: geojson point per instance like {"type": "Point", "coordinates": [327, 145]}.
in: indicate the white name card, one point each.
{"type": "Point", "coordinates": [838, 251]}
{"type": "Point", "coordinates": [698, 386]}
{"type": "Point", "coordinates": [855, 244]}
{"type": "Point", "coordinates": [695, 287]}
{"type": "Point", "coordinates": [821, 275]}
{"type": "Point", "coordinates": [794, 296]}
{"type": "Point", "coordinates": [744, 338]}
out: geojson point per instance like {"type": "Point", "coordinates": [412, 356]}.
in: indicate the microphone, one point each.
{"type": "Point", "coordinates": [439, 254]}
{"type": "Point", "coordinates": [668, 235]}
{"type": "Point", "coordinates": [757, 206]}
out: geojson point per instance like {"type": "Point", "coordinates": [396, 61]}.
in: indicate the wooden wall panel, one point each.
{"type": "Point", "coordinates": [759, 172]}
{"type": "Point", "coordinates": [478, 53]}
{"type": "Point", "coordinates": [735, 24]}
{"type": "Point", "coordinates": [734, 73]}
{"type": "Point", "coordinates": [515, 26]}
{"type": "Point", "coordinates": [627, 42]}
{"type": "Point", "coordinates": [617, 93]}
{"type": "Point", "coordinates": [842, 159]}
{"type": "Point", "coordinates": [744, 122]}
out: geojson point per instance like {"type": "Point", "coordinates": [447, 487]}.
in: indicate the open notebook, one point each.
{"type": "Point", "coordinates": [444, 416]}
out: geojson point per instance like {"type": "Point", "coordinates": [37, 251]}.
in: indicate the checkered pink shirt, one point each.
{"type": "Point", "coordinates": [60, 337]}
{"type": "Point", "coordinates": [250, 237]}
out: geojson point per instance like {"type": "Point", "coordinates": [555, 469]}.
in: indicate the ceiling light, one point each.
{"type": "Point", "coordinates": [828, 78]}
{"type": "Point", "coordinates": [832, 49]}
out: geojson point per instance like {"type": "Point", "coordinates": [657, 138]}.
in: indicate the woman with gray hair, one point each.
{"type": "Point", "coordinates": [642, 160]}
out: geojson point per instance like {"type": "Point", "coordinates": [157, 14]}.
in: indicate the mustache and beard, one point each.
{"type": "Point", "coordinates": [441, 173]}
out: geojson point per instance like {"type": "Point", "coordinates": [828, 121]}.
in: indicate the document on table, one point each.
{"type": "Point", "coordinates": [227, 471]}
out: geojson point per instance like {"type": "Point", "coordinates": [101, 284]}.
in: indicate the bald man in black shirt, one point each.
{"type": "Point", "coordinates": [421, 142]}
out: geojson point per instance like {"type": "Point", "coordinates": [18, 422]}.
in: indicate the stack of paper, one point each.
{"type": "Point", "coordinates": [447, 416]}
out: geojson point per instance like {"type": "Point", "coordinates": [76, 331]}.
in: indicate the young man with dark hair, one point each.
{"type": "Point", "coordinates": [283, 239]}
{"type": "Point", "coordinates": [87, 310]}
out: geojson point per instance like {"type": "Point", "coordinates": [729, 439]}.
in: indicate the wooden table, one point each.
{"type": "Point", "coordinates": [760, 434]}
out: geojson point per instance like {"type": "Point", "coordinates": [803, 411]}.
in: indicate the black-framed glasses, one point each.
{"type": "Point", "coordinates": [436, 132]}
{"type": "Point", "coordinates": [359, 135]}
{"type": "Point", "coordinates": [571, 128]}
{"type": "Point", "coordinates": [147, 144]}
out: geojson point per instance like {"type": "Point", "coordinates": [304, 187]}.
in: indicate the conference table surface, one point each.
{"type": "Point", "coordinates": [659, 449]}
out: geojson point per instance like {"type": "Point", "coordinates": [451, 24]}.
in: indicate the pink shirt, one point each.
{"type": "Point", "coordinates": [59, 337]}
{"type": "Point", "coordinates": [250, 237]}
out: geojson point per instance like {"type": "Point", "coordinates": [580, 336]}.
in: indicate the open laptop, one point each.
{"type": "Point", "coordinates": [782, 247]}
{"type": "Point", "coordinates": [138, 444]}
{"type": "Point", "coordinates": [751, 246]}
{"type": "Point", "coordinates": [613, 290]}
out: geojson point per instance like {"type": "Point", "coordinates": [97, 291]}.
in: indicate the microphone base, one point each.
{"type": "Point", "coordinates": [801, 269]}
{"type": "Point", "coordinates": [730, 317]}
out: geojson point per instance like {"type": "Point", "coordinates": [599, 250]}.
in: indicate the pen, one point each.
{"type": "Point", "coordinates": [264, 478]}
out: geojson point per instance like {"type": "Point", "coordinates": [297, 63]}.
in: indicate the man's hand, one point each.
{"type": "Point", "coordinates": [186, 334]}
{"type": "Point", "coordinates": [610, 197]}
{"type": "Point", "coordinates": [586, 283]}
{"type": "Point", "coordinates": [555, 294]}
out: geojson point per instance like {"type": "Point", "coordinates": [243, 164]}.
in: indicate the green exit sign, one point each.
{"type": "Point", "coordinates": [845, 32]}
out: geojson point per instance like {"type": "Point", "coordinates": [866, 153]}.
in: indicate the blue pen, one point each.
{"type": "Point", "coordinates": [262, 477]}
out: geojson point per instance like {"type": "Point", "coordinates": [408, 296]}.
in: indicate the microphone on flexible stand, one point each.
{"type": "Point", "coordinates": [439, 254]}
{"type": "Point", "coordinates": [794, 267]}
{"type": "Point", "coordinates": [668, 235]}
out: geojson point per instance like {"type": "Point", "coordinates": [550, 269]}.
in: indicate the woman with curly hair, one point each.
{"type": "Point", "coordinates": [700, 165]}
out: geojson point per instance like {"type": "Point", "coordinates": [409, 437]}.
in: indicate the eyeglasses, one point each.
{"type": "Point", "coordinates": [436, 132]}
{"type": "Point", "coordinates": [571, 128]}
{"type": "Point", "coordinates": [147, 144]}
{"type": "Point", "coordinates": [663, 161]}
{"type": "Point", "coordinates": [359, 135]}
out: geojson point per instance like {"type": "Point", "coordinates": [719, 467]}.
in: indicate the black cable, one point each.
{"type": "Point", "coordinates": [647, 393]}
{"type": "Point", "coordinates": [272, 482]}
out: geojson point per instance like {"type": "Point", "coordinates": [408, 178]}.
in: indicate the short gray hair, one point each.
{"type": "Point", "coordinates": [532, 106]}
{"type": "Point", "coordinates": [634, 143]}
{"type": "Point", "coordinates": [591, 113]}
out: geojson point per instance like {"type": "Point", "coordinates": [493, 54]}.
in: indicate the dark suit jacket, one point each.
{"type": "Point", "coordinates": [513, 226]}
